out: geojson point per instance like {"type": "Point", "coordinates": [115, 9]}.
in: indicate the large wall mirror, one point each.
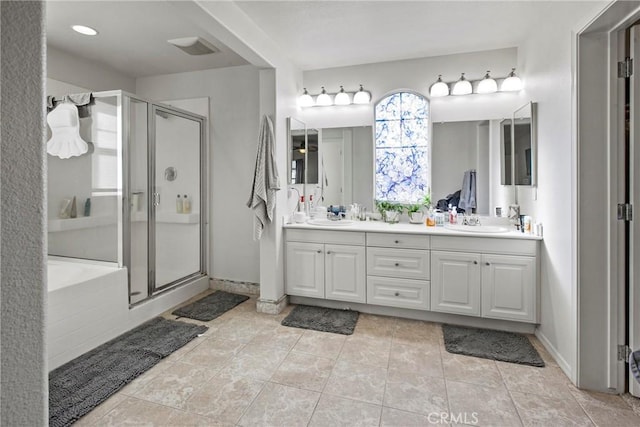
{"type": "Point", "coordinates": [518, 147]}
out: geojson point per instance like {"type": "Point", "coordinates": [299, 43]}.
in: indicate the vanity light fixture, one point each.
{"type": "Point", "coordinates": [512, 83]}
{"type": "Point", "coordinates": [462, 86]}
{"type": "Point", "coordinates": [439, 88]}
{"type": "Point", "coordinates": [361, 96]}
{"type": "Point", "coordinates": [342, 97]}
{"type": "Point", "coordinates": [487, 85]}
{"type": "Point", "coordinates": [84, 30]}
{"type": "Point", "coordinates": [305, 100]}
{"type": "Point", "coordinates": [324, 99]}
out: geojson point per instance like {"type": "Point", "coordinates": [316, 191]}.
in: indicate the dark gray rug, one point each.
{"type": "Point", "coordinates": [211, 306]}
{"type": "Point", "coordinates": [83, 383]}
{"type": "Point", "coordinates": [322, 319]}
{"type": "Point", "coordinates": [490, 344]}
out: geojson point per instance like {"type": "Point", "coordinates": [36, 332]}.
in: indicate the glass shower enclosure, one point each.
{"type": "Point", "coordinates": [145, 175]}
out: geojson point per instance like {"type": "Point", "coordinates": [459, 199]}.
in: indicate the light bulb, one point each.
{"type": "Point", "coordinates": [324, 99]}
{"type": "Point", "coordinates": [512, 83]}
{"type": "Point", "coordinates": [342, 97]}
{"type": "Point", "coordinates": [462, 87]}
{"type": "Point", "coordinates": [361, 96]}
{"type": "Point", "coordinates": [487, 85]}
{"type": "Point", "coordinates": [439, 88]}
{"type": "Point", "coordinates": [305, 100]}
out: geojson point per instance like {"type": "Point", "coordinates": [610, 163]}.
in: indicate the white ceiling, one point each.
{"type": "Point", "coordinates": [314, 34]}
{"type": "Point", "coordinates": [132, 36]}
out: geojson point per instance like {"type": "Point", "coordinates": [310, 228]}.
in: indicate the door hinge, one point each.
{"type": "Point", "coordinates": [625, 211]}
{"type": "Point", "coordinates": [625, 68]}
{"type": "Point", "coordinates": [623, 353]}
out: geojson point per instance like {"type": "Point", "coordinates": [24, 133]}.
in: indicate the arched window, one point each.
{"type": "Point", "coordinates": [402, 148]}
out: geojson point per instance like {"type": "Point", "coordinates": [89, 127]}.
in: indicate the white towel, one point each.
{"type": "Point", "coordinates": [265, 180]}
{"type": "Point", "coordinates": [468, 191]}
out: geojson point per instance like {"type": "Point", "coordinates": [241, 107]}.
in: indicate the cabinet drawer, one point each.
{"type": "Point", "coordinates": [326, 236]}
{"type": "Point", "coordinates": [405, 293]}
{"type": "Point", "coordinates": [393, 240]}
{"type": "Point", "coordinates": [403, 263]}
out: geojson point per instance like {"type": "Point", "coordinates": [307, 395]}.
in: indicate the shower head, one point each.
{"type": "Point", "coordinates": [194, 45]}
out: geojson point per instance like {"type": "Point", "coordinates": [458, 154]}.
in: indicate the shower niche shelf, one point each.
{"type": "Point", "coordinates": [168, 217]}
{"type": "Point", "coordinates": [56, 225]}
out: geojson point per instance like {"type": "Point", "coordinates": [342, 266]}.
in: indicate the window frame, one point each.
{"type": "Point", "coordinates": [429, 142]}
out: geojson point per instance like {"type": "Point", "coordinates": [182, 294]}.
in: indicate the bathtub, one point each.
{"type": "Point", "coordinates": [88, 304]}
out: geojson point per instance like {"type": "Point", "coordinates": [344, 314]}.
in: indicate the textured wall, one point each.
{"type": "Point", "coordinates": [22, 270]}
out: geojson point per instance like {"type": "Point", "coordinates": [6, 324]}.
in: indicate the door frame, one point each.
{"type": "Point", "coordinates": [599, 174]}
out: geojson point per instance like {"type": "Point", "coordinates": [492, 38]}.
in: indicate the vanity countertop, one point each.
{"type": "Point", "coordinates": [407, 228]}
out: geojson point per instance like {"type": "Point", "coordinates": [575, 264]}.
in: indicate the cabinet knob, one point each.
{"type": "Point", "coordinates": [475, 262]}
{"type": "Point", "coordinates": [328, 252]}
{"type": "Point", "coordinates": [397, 264]}
{"type": "Point", "coordinates": [319, 251]}
{"type": "Point", "coordinates": [486, 263]}
{"type": "Point", "coordinates": [397, 294]}
{"type": "Point", "coordinates": [397, 241]}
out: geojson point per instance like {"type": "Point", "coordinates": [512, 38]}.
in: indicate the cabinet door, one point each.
{"type": "Point", "coordinates": [455, 282]}
{"type": "Point", "coordinates": [508, 287]}
{"type": "Point", "coordinates": [345, 276]}
{"type": "Point", "coordinates": [305, 269]}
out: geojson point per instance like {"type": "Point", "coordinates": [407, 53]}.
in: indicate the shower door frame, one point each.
{"type": "Point", "coordinates": [124, 110]}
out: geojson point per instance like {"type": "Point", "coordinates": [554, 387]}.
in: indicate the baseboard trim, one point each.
{"type": "Point", "coordinates": [562, 363]}
{"type": "Point", "coordinates": [271, 306]}
{"type": "Point", "coordinates": [234, 286]}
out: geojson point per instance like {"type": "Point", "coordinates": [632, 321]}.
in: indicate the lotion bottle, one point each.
{"type": "Point", "coordinates": [186, 204]}
{"type": "Point", "coordinates": [179, 206]}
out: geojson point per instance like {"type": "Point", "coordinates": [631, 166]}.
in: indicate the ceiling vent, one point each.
{"type": "Point", "coordinates": [194, 45]}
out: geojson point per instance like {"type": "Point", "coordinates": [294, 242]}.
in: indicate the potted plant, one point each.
{"type": "Point", "coordinates": [393, 212]}
{"type": "Point", "coordinates": [415, 213]}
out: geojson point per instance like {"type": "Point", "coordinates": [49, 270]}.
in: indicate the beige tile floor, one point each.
{"type": "Point", "coordinates": [248, 370]}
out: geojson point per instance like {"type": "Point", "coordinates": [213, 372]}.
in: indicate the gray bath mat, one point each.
{"type": "Point", "coordinates": [490, 344]}
{"type": "Point", "coordinates": [211, 306]}
{"type": "Point", "coordinates": [83, 383]}
{"type": "Point", "coordinates": [322, 319]}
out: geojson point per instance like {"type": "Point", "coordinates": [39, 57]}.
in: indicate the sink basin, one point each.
{"type": "Point", "coordinates": [329, 223]}
{"type": "Point", "coordinates": [478, 228]}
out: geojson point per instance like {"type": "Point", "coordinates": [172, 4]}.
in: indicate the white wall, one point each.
{"type": "Point", "coordinates": [23, 385]}
{"type": "Point", "coordinates": [233, 134]}
{"type": "Point", "coordinates": [84, 73]}
{"type": "Point", "coordinates": [546, 62]}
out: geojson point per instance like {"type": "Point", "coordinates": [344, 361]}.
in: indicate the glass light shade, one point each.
{"type": "Point", "coordinates": [305, 100]}
{"type": "Point", "coordinates": [361, 96]}
{"type": "Point", "coordinates": [511, 83]}
{"type": "Point", "coordinates": [324, 99]}
{"type": "Point", "coordinates": [439, 88]}
{"type": "Point", "coordinates": [342, 97]}
{"type": "Point", "coordinates": [487, 85]}
{"type": "Point", "coordinates": [462, 87]}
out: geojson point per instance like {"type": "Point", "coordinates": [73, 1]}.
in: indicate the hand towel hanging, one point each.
{"type": "Point", "coordinates": [265, 180]}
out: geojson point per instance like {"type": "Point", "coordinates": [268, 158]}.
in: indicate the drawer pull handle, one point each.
{"type": "Point", "coordinates": [486, 263]}
{"type": "Point", "coordinates": [397, 241]}
{"type": "Point", "coordinates": [475, 262]}
{"type": "Point", "coordinates": [397, 264]}
{"type": "Point", "coordinates": [397, 294]}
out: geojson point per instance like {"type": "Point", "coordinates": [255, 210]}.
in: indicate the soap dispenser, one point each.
{"type": "Point", "coordinates": [179, 204]}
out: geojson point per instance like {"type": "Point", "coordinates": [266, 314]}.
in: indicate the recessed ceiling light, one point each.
{"type": "Point", "coordinates": [82, 29]}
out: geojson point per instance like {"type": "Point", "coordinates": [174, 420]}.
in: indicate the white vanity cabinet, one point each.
{"type": "Point", "coordinates": [398, 270]}
{"type": "Point", "coordinates": [492, 278]}
{"type": "Point", "coordinates": [455, 282]}
{"type": "Point", "coordinates": [326, 264]}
